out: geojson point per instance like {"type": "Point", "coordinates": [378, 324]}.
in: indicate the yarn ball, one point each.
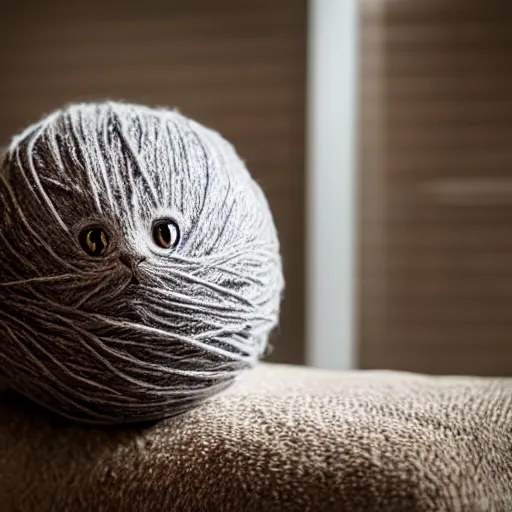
{"type": "Point", "coordinates": [139, 265]}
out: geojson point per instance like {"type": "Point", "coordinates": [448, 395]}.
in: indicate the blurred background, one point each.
{"type": "Point", "coordinates": [380, 130]}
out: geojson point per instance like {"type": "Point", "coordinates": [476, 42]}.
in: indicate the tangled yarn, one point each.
{"type": "Point", "coordinates": [139, 264]}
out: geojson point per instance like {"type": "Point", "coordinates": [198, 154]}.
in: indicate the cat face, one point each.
{"type": "Point", "coordinates": [140, 269]}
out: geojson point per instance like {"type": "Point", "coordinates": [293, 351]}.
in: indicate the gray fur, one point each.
{"type": "Point", "coordinates": [77, 334]}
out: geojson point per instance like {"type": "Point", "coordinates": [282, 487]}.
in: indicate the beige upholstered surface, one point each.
{"type": "Point", "coordinates": [282, 439]}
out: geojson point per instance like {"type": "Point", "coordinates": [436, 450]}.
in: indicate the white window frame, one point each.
{"type": "Point", "coordinates": [331, 184]}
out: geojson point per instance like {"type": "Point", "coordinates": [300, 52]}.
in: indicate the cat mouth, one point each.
{"type": "Point", "coordinates": [132, 266]}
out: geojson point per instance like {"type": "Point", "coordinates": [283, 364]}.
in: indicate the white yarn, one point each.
{"type": "Point", "coordinates": [93, 339]}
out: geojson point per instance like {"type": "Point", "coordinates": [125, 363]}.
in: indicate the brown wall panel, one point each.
{"type": "Point", "coordinates": [436, 186]}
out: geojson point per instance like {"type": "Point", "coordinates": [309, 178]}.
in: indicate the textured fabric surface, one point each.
{"type": "Point", "coordinates": [283, 438]}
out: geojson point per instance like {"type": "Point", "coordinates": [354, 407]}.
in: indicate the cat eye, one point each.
{"type": "Point", "coordinates": [94, 241]}
{"type": "Point", "coordinates": [166, 233]}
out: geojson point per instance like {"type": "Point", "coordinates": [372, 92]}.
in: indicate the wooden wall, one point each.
{"type": "Point", "coordinates": [436, 186]}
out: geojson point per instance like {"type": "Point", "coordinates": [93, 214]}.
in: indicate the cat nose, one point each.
{"type": "Point", "coordinates": [125, 259]}
{"type": "Point", "coordinates": [130, 261]}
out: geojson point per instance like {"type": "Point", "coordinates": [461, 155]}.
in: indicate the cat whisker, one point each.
{"type": "Point", "coordinates": [157, 296]}
{"type": "Point", "coordinates": [21, 282]}
{"type": "Point", "coordinates": [114, 291]}
{"type": "Point", "coordinates": [209, 349]}
{"type": "Point", "coordinates": [91, 294]}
